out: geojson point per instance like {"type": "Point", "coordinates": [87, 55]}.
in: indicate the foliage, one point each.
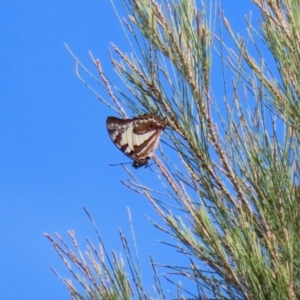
{"type": "Point", "coordinates": [237, 212]}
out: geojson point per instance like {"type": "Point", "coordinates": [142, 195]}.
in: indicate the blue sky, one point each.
{"type": "Point", "coordinates": [54, 146]}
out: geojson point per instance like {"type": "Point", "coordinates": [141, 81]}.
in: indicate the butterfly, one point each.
{"type": "Point", "coordinates": [137, 137]}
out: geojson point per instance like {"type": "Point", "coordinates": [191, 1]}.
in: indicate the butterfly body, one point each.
{"type": "Point", "coordinates": [137, 137]}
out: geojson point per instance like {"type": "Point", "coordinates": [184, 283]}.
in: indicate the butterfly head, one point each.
{"type": "Point", "coordinates": [140, 163]}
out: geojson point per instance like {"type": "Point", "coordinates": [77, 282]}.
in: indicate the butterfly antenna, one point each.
{"type": "Point", "coordinates": [121, 164]}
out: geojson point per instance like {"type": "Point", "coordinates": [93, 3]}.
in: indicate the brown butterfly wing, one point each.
{"type": "Point", "coordinates": [137, 137]}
